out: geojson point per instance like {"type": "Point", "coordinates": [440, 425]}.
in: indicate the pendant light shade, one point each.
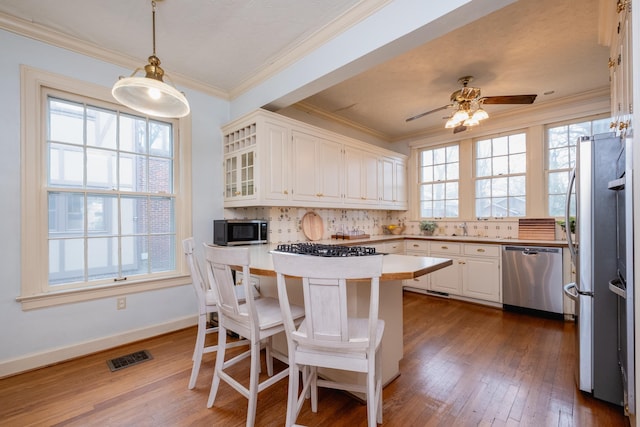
{"type": "Point", "coordinates": [150, 94]}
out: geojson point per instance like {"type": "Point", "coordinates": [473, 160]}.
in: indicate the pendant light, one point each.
{"type": "Point", "coordinates": [150, 94]}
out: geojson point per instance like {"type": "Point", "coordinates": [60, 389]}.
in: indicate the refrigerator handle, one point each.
{"type": "Point", "coordinates": [567, 211]}
{"type": "Point", "coordinates": [569, 293]}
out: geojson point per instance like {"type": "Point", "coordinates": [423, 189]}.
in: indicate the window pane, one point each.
{"type": "Point", "coordinates": [135, 255]}
{"type": "Point", "coordinates": [500, 146]}
{"type": "Point", "coordinates": [66, 165]}
{"type": "Point", "coordinates": [558, 182]}
{"type": "Point", "coordinates": [162, 253]}
{"type": "Point", "coordinates": [517, 206]}
{"type": "Point", "coordinates": [453, 171]}
{"type": "Point", "coordinates": [427, 174]}
{"type": "Point", "coordinates": [102, 214]}
{"type": "Point", "coordinates": [451, 190]}
{"type": "Point", "coordinates": [134, 215]}
{"type": "Point", "coordinates": [500, 165]}
{"type": "Point", "coordinates": [439, 156]}
{"type": "Point", "coordinates": [438, 208]}
{"type": "Point", "coordinates": [483, 167]}
{"type": "Point", "coordinates": [439, 173]}
{"type": "Point", "coordinates": [66, 214]}
{"type": "Point", "coordinates": [451, 208]}
{"type": "Point", "coordinates": [101, 128]}
{"type": "Point", "coordinates": [101, 169]}
{"type": "Point", "coordinates": [161, 215]}
{"type": "Point", "coordinates": [426, 192]}
{"type": "Point", "coordinates": [499, 187]}
{"type": "Point", "coordinates": [517, 143]}
{"type": "Point", "coordinates": [133, 132]}
{"type": "Point", "coordinates": [483, 149]}
{"type": "Point", "coordinates": [483, 188]}
{"type": "Point", "coordinates": [518, 163]}
{"type": "Point", "coordinates": [160, 141]}
{"type": "Point", "coordinates": [66, 261]}
{"type": "Point", "coordinates": [483, 207]}
{"type": "Point", "coordinates": [452, 153]}
{"type": "Point", "coordinates": [161, 175]}
{"type": "Point", "coordinates": [427, 157]}
{"type": "Point", "coordinates": [438, 191]}
{"type": "Point", "coordinates": [133, 173]}
{"type": "Point", "coordinates": [66, 121]}
{"type": "Point", "coordinates": [556, 205]}
{"type": "Point", "coordinates": [517, 186]}
{"type": "Point", "coordinates": [102, 257]}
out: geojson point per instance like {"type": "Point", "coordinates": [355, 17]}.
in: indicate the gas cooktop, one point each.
{"type": "Point", "coordinates": [319, 249]}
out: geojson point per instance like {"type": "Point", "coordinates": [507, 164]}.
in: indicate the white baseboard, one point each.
{"type": "Point", "coordinates": [49, 357]}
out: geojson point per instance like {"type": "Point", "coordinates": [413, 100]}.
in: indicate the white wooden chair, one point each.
{"type": "Point", "coordinates": [328, 338]}
{"type": "Point", "coordinates": [256, 319]}
{"type": "Point", "coordinates": [207, 304]}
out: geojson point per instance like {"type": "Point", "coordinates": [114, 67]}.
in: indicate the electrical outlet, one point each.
{"type": "Point", "coordinates": [122, 303]}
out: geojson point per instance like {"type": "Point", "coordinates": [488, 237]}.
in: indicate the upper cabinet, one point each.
{"type": "Point", "coordinates": [620, 65]}
{"type": "Point", "coordinates": [271, 160]}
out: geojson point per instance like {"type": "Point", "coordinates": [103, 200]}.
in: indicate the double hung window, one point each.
{"type": "Point", "coordinates": [104, 200]}
{"type": "Point", "coordinates": [501, 166]}
{"type": "Point", "coordinates": [439, 174]}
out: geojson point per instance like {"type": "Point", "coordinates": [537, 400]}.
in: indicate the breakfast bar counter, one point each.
{"type": "Point", "coordinates": [395, 268]}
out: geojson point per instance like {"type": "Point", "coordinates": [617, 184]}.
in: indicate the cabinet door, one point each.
{"type": "Point", "coordinates": [239, 170]}
{"type": "Point", "coordinates": [481, 278]}
{"type": "Point", "coordinates": [393, 183]}
{"type": "Point", "coordinates": [317, 169]}
{"type": "Point", "coordinates": [275, 183]}
{"type": "Point", "coordinates": [448, 279]}
{"type": "Point", "coordinates": [361, 179]}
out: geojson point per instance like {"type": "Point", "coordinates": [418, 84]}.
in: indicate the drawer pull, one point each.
{"type": "Point", "coordinates": [480, 250]}
{"type": "Point", "coordinates": [444, 247]}
{"type": "Point", "coordinates": [416, 246]}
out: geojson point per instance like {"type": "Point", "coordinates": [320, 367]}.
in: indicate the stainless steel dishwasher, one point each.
{"type": "Point", "coordinates": [532, 279]}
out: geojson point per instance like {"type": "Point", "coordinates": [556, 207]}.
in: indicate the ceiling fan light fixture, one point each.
{"type": "Point", "coordinates": [460, 115]}
{"type": "Point", "coordinates": [480, 114]}
{"type": "Point", "coordinates": [471, 122]}
{"type": "Point", "coordinates": [451, 123]}
{"type": "Point", "coordinates": [150, 94]}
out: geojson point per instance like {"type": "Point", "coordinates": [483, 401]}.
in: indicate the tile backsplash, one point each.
{"type": "Point", "coordinates": [285, 223]}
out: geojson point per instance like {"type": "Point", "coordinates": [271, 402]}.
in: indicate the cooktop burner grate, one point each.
{"type": "Point", "coordinates": [319, 249]}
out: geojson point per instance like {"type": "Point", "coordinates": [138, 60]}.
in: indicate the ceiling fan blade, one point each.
{"type": "Point", "coordinates": [459, 128]}
{"type": "Point", "coordinates": [510, 99]}
{"type": "Point", "coordinates": [428, 112]}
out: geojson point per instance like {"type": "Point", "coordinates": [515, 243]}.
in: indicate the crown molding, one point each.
{"type": "Point", "coordinates": [353, 16]}
{"type": "Point", "coordinates": [52, 37]}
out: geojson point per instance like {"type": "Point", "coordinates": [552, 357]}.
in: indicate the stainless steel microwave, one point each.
{"type": "Point", "coordinates": [230, 232]}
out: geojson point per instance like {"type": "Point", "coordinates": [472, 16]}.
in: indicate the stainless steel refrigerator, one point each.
{"type": "Point", "coordinates": [594, 256]}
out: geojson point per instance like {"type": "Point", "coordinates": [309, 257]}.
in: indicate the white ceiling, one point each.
{"type": "Point", "coordinates": [530, 46]}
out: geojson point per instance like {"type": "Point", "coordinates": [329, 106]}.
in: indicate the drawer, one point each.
{"type": "Point", "coordinates": [416, 245]}
{"type": "Point", "coordinates": [482, 250]}
{"type": "Point", "coordinates": [394, 247]}
{"type": "Point", "coordinates": [445, 248]}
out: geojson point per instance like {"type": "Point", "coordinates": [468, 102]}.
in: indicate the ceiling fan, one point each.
{"type": "Point", "coordinates": [468, 103]}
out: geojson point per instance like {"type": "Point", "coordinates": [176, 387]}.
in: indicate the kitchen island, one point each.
{"type": "Point", "coordinates": [395, 269]}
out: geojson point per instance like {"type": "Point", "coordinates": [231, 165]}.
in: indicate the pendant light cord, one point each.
{"type": "Point", "coordinates": [153, 24]}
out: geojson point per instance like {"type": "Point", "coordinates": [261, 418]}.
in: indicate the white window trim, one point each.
{"type": "Point", "coordinates": [33, 254]}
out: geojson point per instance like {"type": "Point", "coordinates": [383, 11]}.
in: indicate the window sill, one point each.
{"type": "Point", "coordinates": [51, 299]}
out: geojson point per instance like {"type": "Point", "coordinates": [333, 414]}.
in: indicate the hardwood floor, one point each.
{"type": "Point", "coordinates": [464, 365]}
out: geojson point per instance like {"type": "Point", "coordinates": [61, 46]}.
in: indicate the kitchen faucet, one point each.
{"type": "Point", "coordinates": [465, 232]}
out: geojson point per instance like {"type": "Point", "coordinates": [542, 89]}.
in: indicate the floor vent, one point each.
{"type": "Point", "coordinates": [128, 360]}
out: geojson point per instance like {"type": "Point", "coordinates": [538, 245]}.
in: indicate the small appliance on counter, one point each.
{"type": "Point", "coordinates": [233, 232]}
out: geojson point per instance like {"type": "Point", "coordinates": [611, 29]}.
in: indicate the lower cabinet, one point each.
{"type": "Point", "coordinates": [448, 279]}
{"type": "Point", "coordinates": [475, 272]}
{"type": "Point", "coordinates": [481, 272]}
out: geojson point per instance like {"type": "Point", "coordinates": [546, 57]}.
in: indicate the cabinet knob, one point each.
{"type": "Point", "coordinates": [286, 192]}
{"type": "Point", "coordinates": [318, 194]}
{"type": "Point", "coordinates": [611, 63]}
{"type": "Point", "coordinates": [622, 5]}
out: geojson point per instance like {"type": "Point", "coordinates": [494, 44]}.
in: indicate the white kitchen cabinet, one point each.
{"type": "Point", "coordinates": [448, 279]}
{"type": "Point", "coordinates": [417, 248]}
{"type": "Point", "coordinates": [361, 173]}
{"type": "Point", "coordinates": [239, 149]}
{"type": "Point", "coordinates": [620, 65]}
{"type": "Point", "coordinates": [481, 278]}
{"type": "Point", "coordinates": [272, 160]}
{"type": "Point", "coordinates": [317, 169]}
{"type": "Point", "coordinates": [392, 187]}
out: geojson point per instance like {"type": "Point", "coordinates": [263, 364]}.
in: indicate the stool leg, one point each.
{"type": "Point", "coordinates": [222, 347]}
{"type": "Point", "coordinates": [253, 383]}
{"type": "Point", "coordinates": [197, 352]}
